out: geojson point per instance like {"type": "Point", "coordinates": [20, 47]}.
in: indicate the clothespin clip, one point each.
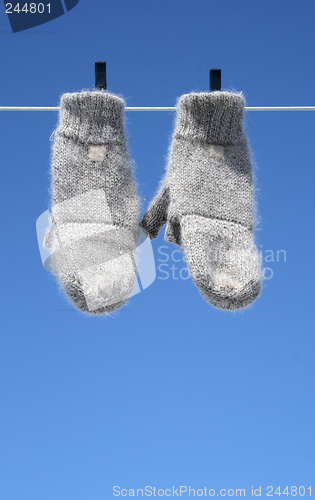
{"type": "Point", "coordinates": [215, 79]}
{"type": "Point", "coordinates": [100, 75]}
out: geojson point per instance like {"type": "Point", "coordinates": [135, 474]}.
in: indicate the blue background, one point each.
{"type": "Point", "coordinates": [168, 391]}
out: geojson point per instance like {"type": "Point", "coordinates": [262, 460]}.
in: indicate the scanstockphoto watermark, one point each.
{"type": "Point", "coordinates": [145, 263]}
{"type": "Point", "coordinates": [188, 491]}
{"type": "Point", "coordinates": [152, 491]}
{"type": "Point", "coordinates": [167, 262]}
{"type": "Point", "coordinates": [271, 258]}
{"type": "Point", "coordinates": [172, 264]}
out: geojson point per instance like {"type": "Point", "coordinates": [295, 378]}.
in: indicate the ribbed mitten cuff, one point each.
{"type": "Point", "coordinates": [92, 117]}
{"type": "Point", "coordinates": [215, 118]}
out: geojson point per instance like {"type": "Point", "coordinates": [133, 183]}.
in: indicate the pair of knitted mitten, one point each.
{"type": "Point", "coordinates": [95, 219]}
{"type": "Point", "coordinates": [207, 199]}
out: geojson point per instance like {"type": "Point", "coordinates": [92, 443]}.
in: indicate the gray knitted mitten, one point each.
{"type": "Point", "coordinates": [95, 223]}
{"type": "Point", "coordinates": [207, 199]}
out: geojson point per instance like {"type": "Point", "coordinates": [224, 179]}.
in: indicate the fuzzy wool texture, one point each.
{"type": "Point", "coordinates": [207, 199]}
{"type": "Point", "coordinates": [95, 222]}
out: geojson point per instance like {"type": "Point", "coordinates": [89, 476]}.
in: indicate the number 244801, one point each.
{"type": "Point", "coordinates": [32, 8]}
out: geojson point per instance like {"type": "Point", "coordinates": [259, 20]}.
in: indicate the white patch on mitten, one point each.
{"type": "Point", "coordinates": [108, 283]}
{"type": "Point", "coordinates": [216, 151]}
{"type": "Point", "coordinates": [97, 153]}
{"type": "Point", "coordinates": [225, 283]}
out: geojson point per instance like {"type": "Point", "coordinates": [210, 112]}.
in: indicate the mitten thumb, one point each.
{"type": "Point", "coordinates": [156, 215]}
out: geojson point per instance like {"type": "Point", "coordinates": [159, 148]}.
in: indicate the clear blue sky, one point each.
{"type": "Point", "coordinates": [169, 391]}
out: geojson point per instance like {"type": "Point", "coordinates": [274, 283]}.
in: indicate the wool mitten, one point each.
{"type": "Point", "coordinates": [95, 219]}
{"type": "Point", "coordinates": [207, 199]}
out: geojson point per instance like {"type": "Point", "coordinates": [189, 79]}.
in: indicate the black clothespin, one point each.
{"type": "Point", "coordinates": [215, 79]}
{"type": "Point", "coordinates": [100, 75]}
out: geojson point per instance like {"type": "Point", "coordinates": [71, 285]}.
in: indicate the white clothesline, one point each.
{"type": "Point", "coordinates": [173, 108]}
